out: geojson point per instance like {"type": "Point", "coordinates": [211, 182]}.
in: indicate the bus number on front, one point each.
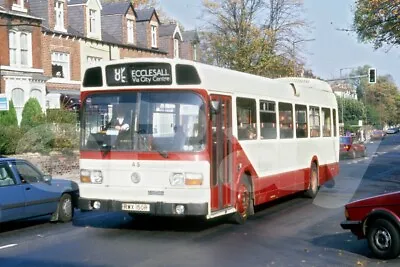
{"type": "Point", "coordinates": [120, 75]}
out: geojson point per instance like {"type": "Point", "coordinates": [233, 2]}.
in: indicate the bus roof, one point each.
{"type": "Point", "coordinates": [220, 80]}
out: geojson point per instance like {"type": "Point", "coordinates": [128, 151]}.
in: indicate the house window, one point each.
{"type": "Point", "coordinates": [153, 36]}
{"type": "Point", "coordinates": [59, 14]}
{"type": "Point", "coordinates": [130, 31]}
{"type": "Point", "coordinates": [93, 60]}
{"type": "Point", "coordinates": [20, 47]}
{"type": "Point", "coordinates": [24, 49]}
{"type": "Point", "coordinates": [176, 48]}
{"type": "Point", "coordinates": [92, 21]}
{"type": "Point", "coordinates": [195, 52]}
{"type": "Point", "coordinates": [60, 65]}
{"type": "Point", "coordinates": [18, 5]}
{"type": "Point", "coordinates": [37, 94]}
{"type": "Point", "coordinates": [13, 48]}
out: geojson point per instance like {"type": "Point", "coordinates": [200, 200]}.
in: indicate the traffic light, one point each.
{"type": "Point", "coordinates": [372, 75]}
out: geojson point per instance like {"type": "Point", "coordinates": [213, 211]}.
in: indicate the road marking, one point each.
{"type": "Point", "coordinates": [8, 246]}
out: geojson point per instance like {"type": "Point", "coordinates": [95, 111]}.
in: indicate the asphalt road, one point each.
{"type": "Point", "coordinates": [291, 232]}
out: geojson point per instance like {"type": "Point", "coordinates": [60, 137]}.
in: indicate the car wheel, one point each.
{"type": "Point", "coordinates": [65, 208]}
{"type": "Point", "coordinates": [244, 203]}
{"type": "Point", "coordinates": [384, 239]}
{"type": "Point", "coordinates": [314, 178]}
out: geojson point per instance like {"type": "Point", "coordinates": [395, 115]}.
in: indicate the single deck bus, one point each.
{"type": "Point", "coordinates": [199, 140]}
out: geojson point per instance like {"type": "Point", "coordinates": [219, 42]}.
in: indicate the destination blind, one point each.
{"type": "Point", "coordinates": [134, 74]}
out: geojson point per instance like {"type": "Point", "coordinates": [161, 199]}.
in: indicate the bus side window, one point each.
{"type": "Point", "coordinates": [314, 122]}
{"type": "Point", "coordinates": [246, 118]}
{"type": "Point", "coordinates": [268, 120]}
{"type": "Point", "coordinates": [301, 121]}
{"type": "Point", "coordinates": [286, 120]}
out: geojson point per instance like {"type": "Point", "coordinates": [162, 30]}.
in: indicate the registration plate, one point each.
{"type": "Point", "coordinates": [136, 207]}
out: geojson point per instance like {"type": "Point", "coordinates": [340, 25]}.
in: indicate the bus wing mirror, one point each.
{"type": "Point", "coordinates": [215, 106]}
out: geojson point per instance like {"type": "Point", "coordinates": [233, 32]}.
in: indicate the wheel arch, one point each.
{"type": "Point", "coordinates": [380, 214]}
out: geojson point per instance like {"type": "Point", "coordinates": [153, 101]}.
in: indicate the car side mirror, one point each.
{"type": "Point", "coordinates": [47, 178]}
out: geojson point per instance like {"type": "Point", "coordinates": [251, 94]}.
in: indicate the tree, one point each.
{"type": "Point", "coordinates": [383, 97]}
{"type": "Point", "coordinates": [376, 21]}
{"type": "Point", "coordinates": [9, 118]}
{"type": "Point", "coordinates": [361, 83]}
{"type": "Point", "coordinates": [353, 111]}
{"type": "Point", "coordinates": [240, 38]}
{"type": "Point", "coordinates": [32, 115]}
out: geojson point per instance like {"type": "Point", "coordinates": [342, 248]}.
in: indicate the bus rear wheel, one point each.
{"type": "Point", "coordinates": [244, 202]}
{"type": "Point", "coordinates": [314, 186]}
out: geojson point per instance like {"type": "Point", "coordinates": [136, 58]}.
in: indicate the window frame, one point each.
{"type": "Point", "coordinates": [176, 48]}
{"type": "Point", "coordinates": [92, 21]}
{"type": "Point", "coordinates": [130, 31]}
{"type": "Point", "coordinates": [153, 31]}
{"type": "Point", "coordinates": [296, 110]}
{"type": "Point", "coordinates": [33, 168]}
{"type": "Point", "coordinates": [242, 133]}
{"type": "Point", "coordinates": [323, 110]}
{"type": "Point", "coordinates": [67, 74]}
{"type": "Point", "coordinates": [280, 121]}
{"type": "Point", "coordinates": [16, 46]}
{"type": "Point", "coordinates": [311, 127]}
{"type": "Point", "coordinates": [267, 110]}
{"type": "Point", "coordinates": [59, 23]}
{"type": "Point", "coordinates": [10, 173]}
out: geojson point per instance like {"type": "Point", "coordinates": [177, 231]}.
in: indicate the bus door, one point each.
{"type": "Point", "coordinates": [221, 155]}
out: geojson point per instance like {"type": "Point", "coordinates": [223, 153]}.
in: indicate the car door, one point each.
{"type": "Point", "coordinates": [12, 198]}
{"type": "Point", "coordinates": [41, 197]}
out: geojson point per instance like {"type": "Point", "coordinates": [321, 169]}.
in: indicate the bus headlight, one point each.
{"type": "Point", "coordinates": [85, 176]}
{"type": "Point", "coordinates": [177, 179]}
{"type": "Point", "coordinates": [193, 178]}
{"type": "Point", "coordinates": [91, 176]}
{"type": "Point", "coordinates": [96, 177]}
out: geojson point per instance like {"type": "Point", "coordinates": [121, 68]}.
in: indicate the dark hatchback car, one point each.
{"type": "Point", "coordinates": [349, 148]}
{"type": "Point", "coordinates": [25, 192]}
{"type": "Point", "coordinates": [378, 220]}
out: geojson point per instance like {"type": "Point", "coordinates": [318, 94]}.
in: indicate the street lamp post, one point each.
{"type": "Point", "coordinates": [294, 48]}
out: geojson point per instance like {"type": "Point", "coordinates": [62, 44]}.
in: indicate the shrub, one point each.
{"type": "Point", "coordinates": [38, 139]}
{"type": "Point", "coordinates": [66, 136]}
{"type": "Point", "coordinates": [9, 139]}
{"type": "Point", "coordinates": [9, 118]}
{"type": "Point", "coordinates": [32, 115]}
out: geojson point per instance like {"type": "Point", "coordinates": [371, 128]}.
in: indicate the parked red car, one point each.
{"type": "Point", "coordinates": [378, 220]}
{"type": "Point", "coordinates": [352, 149]}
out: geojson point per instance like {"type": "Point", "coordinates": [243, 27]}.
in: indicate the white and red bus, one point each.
{"type": "Point", "coordinates": [198, 140]}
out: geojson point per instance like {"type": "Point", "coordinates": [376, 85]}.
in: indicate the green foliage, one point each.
{"type": "Point", "coordinates": [9, 118]}
{"type": "Point", "coordinates": [32, 115]}
{"type": "Point", "coordinates": [66, 135]}
{"type": "Point", "coordinates": [9, 139]}
{"type": "Point", "coordinates": [377, 21]}
{"type": "Point", "coordinates": [353, 110]}
{"type": "Point", "coordinates": [38, 139]}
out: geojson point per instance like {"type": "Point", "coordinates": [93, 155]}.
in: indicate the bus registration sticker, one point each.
{"type": "Point", "coordinates": [135, 207]}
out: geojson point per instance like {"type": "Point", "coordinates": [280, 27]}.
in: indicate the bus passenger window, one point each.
{"type": "Point", "coordinates": [326, 122]}
{"type": "Point", "coordinates": [314, 122]}
{"type": "Point", "coordinates": [334, 122]}
{"type": "Point", "coordinates": [286, 120]}
{"type": "Point", "coordinates": [246, 118]}
{"type": "Point", "coordinates": [268, 120]}
{"type": "Point", "coordinates": [301, 121]}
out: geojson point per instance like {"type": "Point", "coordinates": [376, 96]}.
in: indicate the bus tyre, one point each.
{"type": "Point", "coordinates": [313, 189]}
{"type": "Point", "coordinates": [65, 209]}
{"type": "Point", "coordinates": [384, 239]}
{"type": "Point", "coordinates": [244, 202]}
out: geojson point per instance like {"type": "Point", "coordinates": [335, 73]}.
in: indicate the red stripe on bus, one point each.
{"type": "Point", "coordinates": [119, 155]}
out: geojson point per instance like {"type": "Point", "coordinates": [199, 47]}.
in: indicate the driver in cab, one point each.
{"type": "Point", "coordinates": [121, 120]}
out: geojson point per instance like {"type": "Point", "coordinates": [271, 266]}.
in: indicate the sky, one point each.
{"type": "Point", "coordinates": [331, 51]}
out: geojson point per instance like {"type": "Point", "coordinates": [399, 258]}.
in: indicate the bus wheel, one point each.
{"type": "Point", "coordinates": [244, 202]}
{"type": "Point", "coordinates": [313, 189]}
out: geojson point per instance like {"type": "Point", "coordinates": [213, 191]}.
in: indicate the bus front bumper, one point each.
{"type": "Point", "coordinates": [153, 208]}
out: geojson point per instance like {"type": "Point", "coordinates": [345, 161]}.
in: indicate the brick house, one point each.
{"type": "Point", "coordinates": [171, 40]}
{"type": "Point", "coordinates": [120, 25]}
{"type": "Point", "coordinates": [21, 71]}
{"type": "Point", "coordinates": [190, 48]}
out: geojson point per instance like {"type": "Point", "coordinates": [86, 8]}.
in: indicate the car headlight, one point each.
{"type": "Point", "coordinates": [177, 179]}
